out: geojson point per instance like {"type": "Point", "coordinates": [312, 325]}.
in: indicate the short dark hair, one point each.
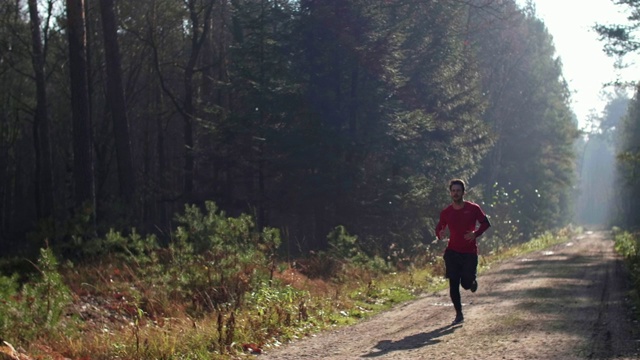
{"type": "Point", "coordinates": [456, 182]}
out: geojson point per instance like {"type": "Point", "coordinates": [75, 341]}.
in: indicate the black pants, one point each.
{"type": "Point", "coordinates": [461, 270]}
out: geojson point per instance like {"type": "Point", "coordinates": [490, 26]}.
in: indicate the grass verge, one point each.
{"type": "Point", "coordinates": [627, 244]}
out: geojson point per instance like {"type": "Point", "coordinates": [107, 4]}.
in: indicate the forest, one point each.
{"type": "Point", "coordinates": [306, 115]}
{"type": "Point", "coordinates": [182, 157]}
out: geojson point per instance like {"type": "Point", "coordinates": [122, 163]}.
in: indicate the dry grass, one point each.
{"type": "Point", "coordinates": [117, 314]}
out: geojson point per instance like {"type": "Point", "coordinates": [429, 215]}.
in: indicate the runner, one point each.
{"type": "Point", "coordinates": [461, 254]}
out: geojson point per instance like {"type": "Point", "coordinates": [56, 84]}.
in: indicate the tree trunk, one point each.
{"type": "Point", "coordinates": [198, 36]}
{"type": "Point", "coordinates": [115, 96]}
{"type": "Point", "coordinates": [83, 167]}
{"type": "Point", "coordinates": [42, 141]}
{"type": "Point", "coordinates": [189, 112]}
{"type": "Point", "coordinates": [188, 107]}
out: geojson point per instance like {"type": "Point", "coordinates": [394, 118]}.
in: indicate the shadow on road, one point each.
{"type": "Point", "coordinates": [411, 342]}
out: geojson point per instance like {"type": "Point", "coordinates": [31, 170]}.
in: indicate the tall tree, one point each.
{"type": "Point", "coordinates": [198, 14]}
{"type": "Point", "coordinates": [628, 164]}
{"type": "Point", "coordinates": [529, 115]}
{"type": "Point", "coordinates": [198, 35]}
{"type": "Point", "coordinates": [115, 97]}
{"type": "Point", "coordinates": [599, 181]}
{"type": "Point", "coordinates": [41, 134]}
{"type": "Point", "coordinates": [16, 212]}
{"type": "Point", "coordinates": [379, 119]}
{"type": "Point", "coordinates": [622, 39]}
{"type": "Point", "coordinates": [310, 114]}
{"type": "Point", "coordinates": [449, 98]}
{"type": "Point", "coordinates": [83, 173]}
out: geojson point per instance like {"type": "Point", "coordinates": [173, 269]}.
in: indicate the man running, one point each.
{"type": "Point", "coordinates": [461, 255]}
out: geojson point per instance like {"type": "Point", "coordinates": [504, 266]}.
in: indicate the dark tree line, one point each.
{"type": "Point", "coordinates": [306, 114]}
{"type": "Point", "coordinates": [623, 137]}
{"type": "Point", "coordinates": [619, 41]}
{"type": "Point", "coordinates": [534, 129]}
{"type": "Point", "coordinates": [599, 201]}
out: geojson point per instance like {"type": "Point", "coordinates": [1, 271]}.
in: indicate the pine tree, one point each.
{"type": "Point", "coordinates": [529, 114]}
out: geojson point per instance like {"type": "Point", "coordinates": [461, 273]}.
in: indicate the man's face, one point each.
{"type": "Point", "coordinates": [456, 192]}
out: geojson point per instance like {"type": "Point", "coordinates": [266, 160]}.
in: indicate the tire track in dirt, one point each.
{"type": "Point", "coordinates": [567, 302]}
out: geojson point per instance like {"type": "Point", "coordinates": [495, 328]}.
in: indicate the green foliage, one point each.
{"type": "Point", "coordinates": [130, 247]}
{"type": "Point", "coordinates": [505, 218]}
{"type": "Point", "coordinates": [133, 245]}
{"type": "Point", "coordinates": [8, 295]}
{"type": "Point", "coordinates": [529, 114]}
{"type": "Point", "coordinates": [377, 296]}
{"type": "Point", "coordinates": [74, 237]}
{"type": "Point", "coordinates": [542, 241]}
{"type": "Point", "coordinates": [216, 259]}
{"type": "Point", "coordinates": [620, 39]}
{"type": "Point", "coordinates": [278, 311]}
{"type": "Point", "coordinates": [342, 245]}
{"type": "Point", "coordinates": [213, 231]}
{"type": "Point", "coordinates": [628, 164]}
{"type": "Point", "coordinates": [627, 244]}
{"type": "Point", "coordinates": [545, 240]}
{"type": "Point", "coordinates": [270, 310]}
{"type": "Point", "coordinates": [210, 264]}
{"type": "Point", "coordinates": [313, 113]}
{"type": "Point", "coordinates": [38, 307]}
{"type": "Point", "coordinates": [48, 295]}
{"type": "Point", "coordinates": [344, 258]}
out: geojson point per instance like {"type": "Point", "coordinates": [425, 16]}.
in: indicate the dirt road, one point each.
{"type": "Point", "coordinates": [567, 302]}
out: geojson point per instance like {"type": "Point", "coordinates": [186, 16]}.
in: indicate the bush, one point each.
{"type": "Point", "coordinates": [276, 309]}
{"type": "Point", "coordinates": [37, 308]}
{"type": "Point", "coordinates": [627, 245]}
{"type": "Point", "coordinates": [227, 256]}
{"type": "Point", "coordinates": [345, 257]}
{"type": "Point", "coordinates": [506, 219]}
{"type": "Point", "coordinates": [8, 295]}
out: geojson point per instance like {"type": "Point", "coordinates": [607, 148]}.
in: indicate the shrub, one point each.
{"type": "Point", "coordinates": [227, 256]}
{"type": "Point", "coordinates": [276, 309]}
{"type": "Point", "coordinates": [628, 245]}
{"type": "Point", "coordinates": [37, 308]}
{"type": "Point", "coordinates": [506, 219]}
{"type": "Point", "coordinates": [345, 257]}
{"type": "Point", "coordinates": [8, 296]}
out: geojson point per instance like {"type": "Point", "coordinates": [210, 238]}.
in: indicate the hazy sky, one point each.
{"type": "Point", "coordinates": [585, 66]}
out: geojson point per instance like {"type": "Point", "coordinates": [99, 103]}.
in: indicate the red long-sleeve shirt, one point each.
{"type": "Point", "coordinates": [460, 222]}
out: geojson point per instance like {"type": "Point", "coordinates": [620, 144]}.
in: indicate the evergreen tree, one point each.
{"type": "Point", "coordinates": [620, 40]}
{"type": "Point", "coordinates": [628, 154]}
{"type": "Point", "coordinates": [308, 114]}
{"type": "Point", "coordinates": [17, 93]}
{"type": "Point", "coordinates": [529, 113]}
{"type": "Point", "coordinates": [597, 201]}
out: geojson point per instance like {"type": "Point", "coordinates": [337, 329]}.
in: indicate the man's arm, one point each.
{"type": "Point", "coordinates": [484, 225]}
{"type": "Point", "coordinates": [442, 224]}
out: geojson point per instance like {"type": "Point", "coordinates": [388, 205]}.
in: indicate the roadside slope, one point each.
{"type": "Point", "coordinates": [567, 302]}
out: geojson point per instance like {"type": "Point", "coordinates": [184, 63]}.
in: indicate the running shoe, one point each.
{"type": "Point", "coordinates": [458, 320]}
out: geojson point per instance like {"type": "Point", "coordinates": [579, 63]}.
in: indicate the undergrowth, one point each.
{"type": "Point", "coordinates": [627, 244]}
{"type": "Point", "coordinates": [217, 290]}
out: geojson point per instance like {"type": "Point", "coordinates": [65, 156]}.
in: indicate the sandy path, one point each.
{"type": "Point", "coordinates": [567, 302]}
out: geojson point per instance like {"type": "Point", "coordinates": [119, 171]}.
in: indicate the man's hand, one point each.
{"type": "Point", "coordinates": [441, 234]}
{"type": "Point", "coordinates": [471, 236]}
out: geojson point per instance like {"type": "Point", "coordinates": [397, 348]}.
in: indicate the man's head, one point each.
{"type": "Point", "coordinates": [456, 188]}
